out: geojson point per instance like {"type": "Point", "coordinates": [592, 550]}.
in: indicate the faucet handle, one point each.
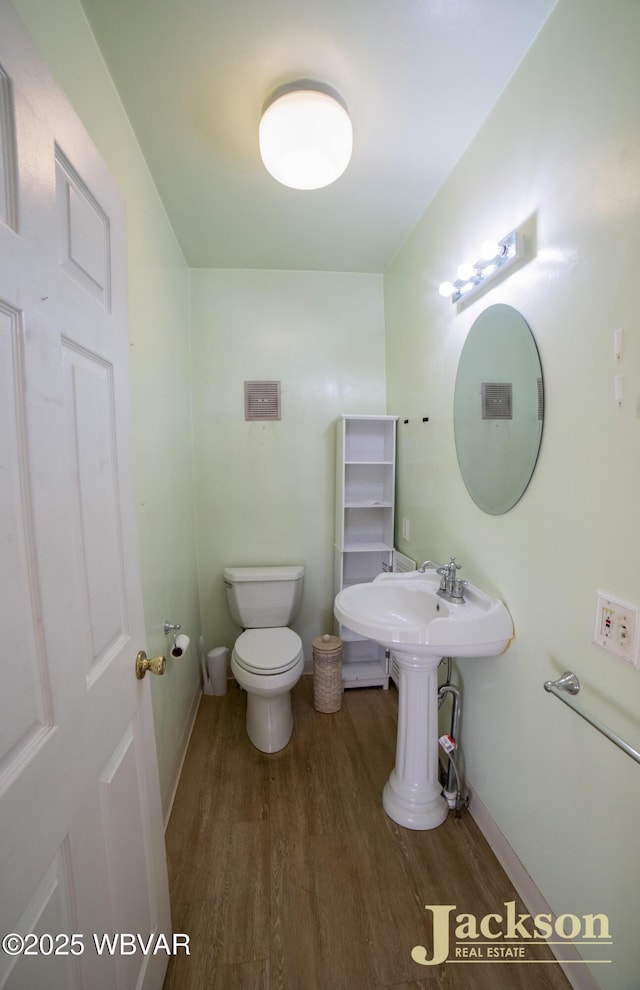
{"type": "Point", "coordinates": [457, 590]}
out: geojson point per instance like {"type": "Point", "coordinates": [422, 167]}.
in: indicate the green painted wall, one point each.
{"type": "Point", "coordinates": [160, 365]}
{"type": "Point", "coordinates": [563, 144]}
{"type": "Point", "coordinates": [265, 492]}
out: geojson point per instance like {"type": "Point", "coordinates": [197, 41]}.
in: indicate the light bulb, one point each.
{"type": "Point", "coordinates": [446, 289]}
{"type": "Point", "coordinates": [489, 250]}
{"type": "Point", "coordinates": [466, 271]}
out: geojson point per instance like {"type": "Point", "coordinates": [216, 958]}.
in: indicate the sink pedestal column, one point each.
{"type": "Point", "coordinates": [413, 796]}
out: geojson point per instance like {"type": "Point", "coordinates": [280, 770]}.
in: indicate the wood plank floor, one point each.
{"type": "Point", "coordinates": [287, 874]}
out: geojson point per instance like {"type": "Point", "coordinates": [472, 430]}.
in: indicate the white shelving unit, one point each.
{"type": "Point", "coordinates": [365, 498]}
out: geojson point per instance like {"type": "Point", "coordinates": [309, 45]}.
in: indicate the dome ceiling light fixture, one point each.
{"type": "Point", "coordinates": [305, 135]}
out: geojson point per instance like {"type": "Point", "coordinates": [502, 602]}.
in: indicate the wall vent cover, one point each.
{"type": "Point", "coordinates": [540, 399]}
{"type": "Point", "coordinates": [496, 400]}
{"type": "Point", "coordinates": [261, 400]}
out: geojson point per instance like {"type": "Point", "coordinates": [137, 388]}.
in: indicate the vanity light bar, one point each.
{"type": "Point", "coordinates": [494, 258]}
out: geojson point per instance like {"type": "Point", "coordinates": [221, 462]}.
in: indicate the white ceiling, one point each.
{"type": "Point", "coordinates": [419, 78]}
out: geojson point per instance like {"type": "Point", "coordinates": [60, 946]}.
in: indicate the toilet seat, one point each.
{"type": "Point", "coordinates": [268, 651]}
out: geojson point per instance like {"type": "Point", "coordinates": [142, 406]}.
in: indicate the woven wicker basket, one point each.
{"type": "Point", "coordinates": [327, 674]}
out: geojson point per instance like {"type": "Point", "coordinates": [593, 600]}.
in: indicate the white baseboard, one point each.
{"type": "Point", "coordinates": [579, 976]}
{"type": "Point", "coordinates": [168, 799]}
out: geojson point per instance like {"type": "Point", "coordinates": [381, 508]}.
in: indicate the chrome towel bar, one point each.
{"type": "Point", "coordinates": [570, 683]}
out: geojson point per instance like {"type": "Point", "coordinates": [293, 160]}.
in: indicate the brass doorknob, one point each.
{"type": "Point", "coordinates": [143, 663]}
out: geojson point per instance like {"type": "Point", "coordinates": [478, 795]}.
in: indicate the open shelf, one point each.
{"type": "Point", "coordinates": [365, 505]}
{"type": "Point", "coordinates": [364, 673]}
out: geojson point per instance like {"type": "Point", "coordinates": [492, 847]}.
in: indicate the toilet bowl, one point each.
{"type": "Point", "coordinates": [268, 663]}
{"type": "Point", "coordinates": [267, 658]}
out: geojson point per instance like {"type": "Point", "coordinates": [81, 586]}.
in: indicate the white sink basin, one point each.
{"type": "Point", "coordinates": [403, 612]}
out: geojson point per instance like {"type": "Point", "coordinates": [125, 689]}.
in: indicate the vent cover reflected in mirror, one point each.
{"type": "Point", "coordinates": [496, 400]}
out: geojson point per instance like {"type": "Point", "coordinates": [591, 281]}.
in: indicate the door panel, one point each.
{"type": "Point", "coordinates": [83, 232]}
{"type": "Point", "coordinates": [97, 533]}
{"type": "Point", "coordinates": [50, 909]}
{"type": "Point", "coordinates": [23, 677]}
{"type": "Point", "coordinates": [130, 881]}
{"type": "Point", "coordinates": [8, 197]}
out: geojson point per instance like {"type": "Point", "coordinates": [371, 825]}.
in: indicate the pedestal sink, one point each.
{"type": "Point", "coordinates": [404, 613]}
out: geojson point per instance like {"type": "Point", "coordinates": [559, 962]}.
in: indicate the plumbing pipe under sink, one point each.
{"type": "Point", "coordinates": [453, 789]}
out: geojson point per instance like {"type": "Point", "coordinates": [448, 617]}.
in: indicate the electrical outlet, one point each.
{"type": "Point", "coordinates": [405, 529]}
{"type": "Point", "coordinates": [617, 625]}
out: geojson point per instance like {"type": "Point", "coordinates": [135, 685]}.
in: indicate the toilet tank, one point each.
{"type": "Point", "coordinates": [262, 597]}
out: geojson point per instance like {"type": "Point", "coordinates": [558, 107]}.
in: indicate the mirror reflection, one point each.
{"type": "Point", "coordinates": [498, 408]}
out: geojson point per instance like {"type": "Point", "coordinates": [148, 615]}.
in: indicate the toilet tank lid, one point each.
{"type": "Point", "coordinates": [291, 572]}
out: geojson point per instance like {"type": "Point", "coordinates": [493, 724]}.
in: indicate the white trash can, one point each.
{"type": "Point", "coordinates": [217, 667]}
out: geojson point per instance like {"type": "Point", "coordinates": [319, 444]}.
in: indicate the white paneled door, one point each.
{"type": "Point", "coordinates": [81, 841]}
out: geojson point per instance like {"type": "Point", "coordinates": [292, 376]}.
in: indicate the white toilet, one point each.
{"type": "Point", "coordinates": [267, 658]}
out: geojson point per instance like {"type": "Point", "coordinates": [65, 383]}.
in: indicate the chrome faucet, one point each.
{"type": "Point", "coordinates": [451, 587]}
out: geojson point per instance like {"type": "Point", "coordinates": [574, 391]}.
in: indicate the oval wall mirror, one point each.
{"type": "Point", "coordinates": [498, 408]}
